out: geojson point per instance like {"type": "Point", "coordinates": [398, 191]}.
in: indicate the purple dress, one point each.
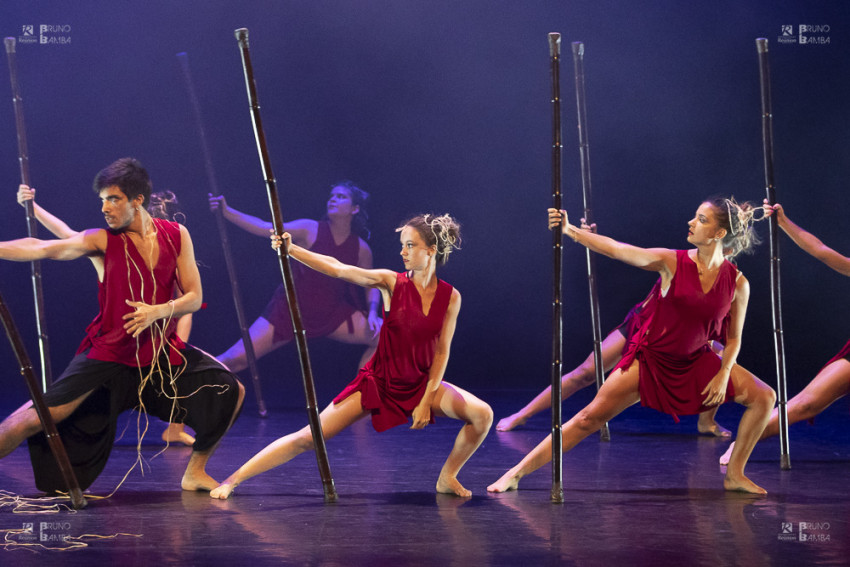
{"type": "Point", "coordinates": [325, 302]}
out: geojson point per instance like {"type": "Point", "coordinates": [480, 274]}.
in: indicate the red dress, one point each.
{"type": "Point", "coordinates": [638, 315]}
{"type": "Point", "coordinates": [127, 276]}
{"type": "Point", "coordinates": [843, 353]}
{"type": "Point", "coordinates": [325, 302]}
{"type": "Point", "coordinates": [393, 382]}
{"type": "Point", "coordinates": [671, 346]}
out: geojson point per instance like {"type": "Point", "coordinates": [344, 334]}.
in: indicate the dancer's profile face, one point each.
{"type": "Point", "coordinates": [340, 202]}
{"type": "Point", "coordinates": [118, 210]}
{"type": "Point", "coordinates": [414, 252]}
{"type": "Point", "coordinates": [704, 227]}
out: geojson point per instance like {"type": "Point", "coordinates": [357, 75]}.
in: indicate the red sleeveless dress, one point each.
{"type": "Point", "coordinates": [325, 302]}
{"type": "Point", "coordinates": [638, 315]}
{"type": "Point", "coordinates": [127, 276]}
{"type": "Point", "coordinates": [393, 382]}
{"type": "Point", "coordinates": [671, 346]}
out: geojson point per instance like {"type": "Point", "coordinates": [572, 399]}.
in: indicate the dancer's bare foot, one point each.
{"type": "Point", "coordinates": [742, 484]}
{"type": "Point", "coordinates": [176, 433]}
{"type": "Point", "coordinates": [510, 422]}
{"type": "Point", "coordinates": [450, 485]}
{"type": "Point", "coordinates": [711, 427]}
{"type": "Point", "coordinates": [197, 481]}
{"type": "Point", "coordinates": [223, 490]}
{"type": "Point", "coordinates": [724, 458]}
{"type": "Point", "coordinates": [509, 481]}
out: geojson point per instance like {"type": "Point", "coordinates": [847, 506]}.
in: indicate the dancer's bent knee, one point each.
{"type": "Point", "coordinates": [587, 421]}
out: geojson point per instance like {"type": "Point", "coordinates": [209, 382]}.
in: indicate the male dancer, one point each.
{"type": "Point", "coordinates": [131, 357]}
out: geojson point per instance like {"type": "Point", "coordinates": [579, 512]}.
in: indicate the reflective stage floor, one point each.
{"type": "Point", "coordinates": [652, 495]}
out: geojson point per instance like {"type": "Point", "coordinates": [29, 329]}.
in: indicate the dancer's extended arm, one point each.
{"type": "Point", "coordinates": [383, 280]}
{"type": "Point", "coordinates": [85, 243]}
{"type": "Point", "coordinates": [300, 229]}
{"type": "Point", "coordinates": [50, 222]}
{"type": "Point", "coordinates": [661, 260]}
{"type": "Point", "coordinates": [809, 242]}
{"type": "Point", "coordinates": [373, 296]}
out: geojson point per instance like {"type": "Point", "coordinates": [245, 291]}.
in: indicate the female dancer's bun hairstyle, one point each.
{"type": "Point", "coordinates": [442, 231]}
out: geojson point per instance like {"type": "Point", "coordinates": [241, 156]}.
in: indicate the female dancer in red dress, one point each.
{"type": "Point", "coordinates": [405, 376]}
{"type": "Point", "coordinates": [670, 367]}
{"type": "Point", "coordinates": [833, 380]}
{"type": "Point", "coordinates": [613, 347]}
{"type": "Point", "coordinates": [329, 308]}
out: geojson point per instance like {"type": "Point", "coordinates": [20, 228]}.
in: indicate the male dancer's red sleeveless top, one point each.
{"type": "Point", "coordinates": [126, 276]}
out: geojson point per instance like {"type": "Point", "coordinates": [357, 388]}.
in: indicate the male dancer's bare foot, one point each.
{"type": "Point", "coordinates": [510, 422]}
{"type": "Point", "coordinates": [711, 427]}
{"type": "Point", "coordinates": [223, 490]}
{"type": "Point", "coordinates": [450, 485]}
{"type": "Point", "coordinates": [197, 481]}
{"type": "Point", "coordinates": [724, 458]}
{"type": "Point", "coordinates": [742, 484]}
{"type": "Point", "coordinates": [509, 481]}
{"type": "Point", "coordinates": [176, 433]}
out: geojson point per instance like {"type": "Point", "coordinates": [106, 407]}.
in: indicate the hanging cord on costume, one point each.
{"type": "Point", "coordinates": [162, 348]}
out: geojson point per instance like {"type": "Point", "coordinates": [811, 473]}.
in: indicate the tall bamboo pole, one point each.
{"type": "Point", "coordinates": [286, 272]}
{"type": "Point", "coordinates": [775, 288]}
{"type": "Point", "coordinates": [32, 225]}
{"type": "Point", "coordinates": [50, 432]}
{"type": "Point", "coordinates": [222, 233]}
{"type": "Point", "coordinates": [557, 493]}
{"type": "Point", "coordinates": [584, 149]}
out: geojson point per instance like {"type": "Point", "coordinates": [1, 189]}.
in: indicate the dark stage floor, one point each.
{"type": "Point", "coordinates": [651, 496]}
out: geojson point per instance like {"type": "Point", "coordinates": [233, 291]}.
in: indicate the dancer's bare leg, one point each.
{"type": "Point", "coordinates": [24, 422]}
{"type": "Point", "coordinates": [333, 418]}
{"type": "Point", "coordinates": [262, 337]}
{"type": "Point", "coordinates": [362, 335]}
{"type": "Point", "coordinates": [618, 392]}
{"type": "Point", "coordinates": [708, 426]}
{"type": "Point", "coordinates": [759, 399]}
{"type": "Point", "coordinates": [831, 384]}
{"type": "Point", "coordinates": [457, 403]}
{"type": "Point", "coordinates": [582, 376]}
{"type": "Point", "coordinates": [176, 433]}
{"type": "Point", "coordinates": [196, 477]}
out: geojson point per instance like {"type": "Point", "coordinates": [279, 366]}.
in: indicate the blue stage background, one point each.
{"type": "Point", "coordinates": [433, 107]}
